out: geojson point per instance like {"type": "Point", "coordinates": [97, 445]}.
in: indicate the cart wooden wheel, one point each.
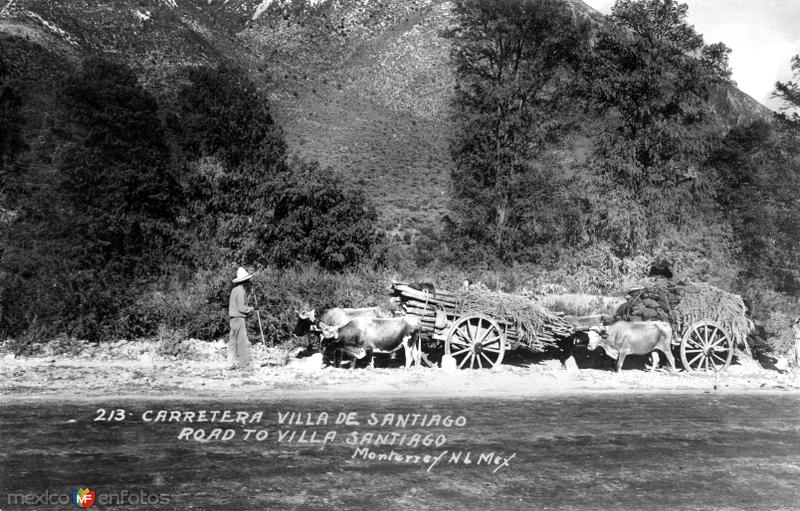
{"type": "Point", "coordinates": [706, 347]}
{"type": "Point", "coordinates": [476, 342]}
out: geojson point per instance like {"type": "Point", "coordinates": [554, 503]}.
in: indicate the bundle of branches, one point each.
{"type": "Point", "coordinates": [684, 303]}
{"type": "Point", "coordinates": [526, 322]}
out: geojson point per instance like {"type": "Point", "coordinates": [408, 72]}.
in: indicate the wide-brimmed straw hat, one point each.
{"type": "Point", "coordinates": [242, 275]}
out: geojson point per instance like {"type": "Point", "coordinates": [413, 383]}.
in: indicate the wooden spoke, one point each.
{"type": "Point", "coordinates": [480, 364]}
{"type": "Point", "coordinates": [698, 357]}
{"type": "Point", "coordinates": [695, 343]}
{"type": "Point", "coordinates": [462, 339]}
{"type": "Point", "coordinates": [496, 345]}
{"type": "Point", "coordinates": [482, 338]}
{"type": "Point", "coordinates": [459, 352]}
{"type": "Point", "coordinates": [722, 360]}
{"type": "Point", "coordinates": [467, 357]}
{"type": "Point", "coordinates": [722, 339]}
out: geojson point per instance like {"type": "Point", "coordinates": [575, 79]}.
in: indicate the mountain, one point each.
{"type": "Point", "coordinates": [361, 85]}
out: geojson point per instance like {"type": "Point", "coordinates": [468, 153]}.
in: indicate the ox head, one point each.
{"type": "Point", "coordinates": [328, 332]}
{"type": "Point", "coordinates": [305, 322]}
{"type": "Point", "coordinates": [595, 336]}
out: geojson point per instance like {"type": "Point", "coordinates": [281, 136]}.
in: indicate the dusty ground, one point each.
{"type": "Point", "coordinates": [135, 369]}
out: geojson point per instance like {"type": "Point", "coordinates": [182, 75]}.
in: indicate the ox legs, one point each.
{"type": "Point", "coordinates": [796, 353]}
{"type": "Point", "coordinates": [670, 357]}
{"type": "Point", "coordinates": [621, 360]}
{"type": "Point", "coordinates": [412, 349]}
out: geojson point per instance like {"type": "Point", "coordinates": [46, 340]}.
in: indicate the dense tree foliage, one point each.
{"type": "Point", "coordinates": [760, 170]}
{"type": "Point", "coordinates": [234, 153]}
{"type": "Point", "coordinates": [121, 196]}
{"type": "Point", "coordinates": [651, 76]}
{"type": "Point", "coordinates": [86, 236]}
{"type": "Point", "coordinates": [515, 64]}
{"type": "Point", "coordinates": [224, 114]}
{"type": "Point", "coordinates": [789, 93]}
{"type": "Point", "coordinates": [315, 220]}
{"type": "Point", "coordinates": [128, 203]}
{"type": "Point", "coordinates": [12, 142]}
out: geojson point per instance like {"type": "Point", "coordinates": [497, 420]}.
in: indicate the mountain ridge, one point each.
{"type": "Point", "coordinates": [358, 85]}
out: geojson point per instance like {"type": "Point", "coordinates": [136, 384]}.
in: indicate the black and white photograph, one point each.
{"type": "Point", "coordinates": [400, 255]}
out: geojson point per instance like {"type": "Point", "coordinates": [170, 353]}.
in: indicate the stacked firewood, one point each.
{"type": "Point", "coordinates": [425, 302]}
{"type": "Point", "coordinates": [649, 304]}
{"type": "Point", "coordinates": [523, 321]}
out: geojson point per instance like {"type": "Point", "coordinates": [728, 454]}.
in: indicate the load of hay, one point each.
{"type": "Point", "coordinates": [528, 322]}
{"type": "Point", "coordinates": [524, 321]}
{"type": "Point", "coordinates": [684, 303]}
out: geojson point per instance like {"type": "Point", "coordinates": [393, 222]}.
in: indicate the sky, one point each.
{"type": "Point", "coordinates": [763, 34]}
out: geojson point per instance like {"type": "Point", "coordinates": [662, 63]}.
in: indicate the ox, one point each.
{"type": "Point", "coordinates": [625, 338]}
{"type": "Point", "coordinates": [362, 337]}
{"type": "Point", "coordinates": [337, 316]}
{"type": "Point", "coordinates": [307, 322]}
{"type": "Point", "coordinates": [580, 339]}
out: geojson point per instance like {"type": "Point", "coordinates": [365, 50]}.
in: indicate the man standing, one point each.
{"type": "Point", "coordinates": [238, 310]}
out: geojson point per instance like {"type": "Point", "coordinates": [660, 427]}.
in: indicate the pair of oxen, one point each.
{"type": "Point", "coordinates": [360, 333]}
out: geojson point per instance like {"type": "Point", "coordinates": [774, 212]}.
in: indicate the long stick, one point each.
{"type": "Point", "coordinates": [258, 316]}
{"type": "Point", "coordinates": [7, 6]}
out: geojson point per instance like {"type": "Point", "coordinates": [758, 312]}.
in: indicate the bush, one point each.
{"type": "Point", "coordinates": [772, 314]}
{"type": "Point", "coordinates": [172, 344]}
{"type": "Point", "coordinates": [316, 221]}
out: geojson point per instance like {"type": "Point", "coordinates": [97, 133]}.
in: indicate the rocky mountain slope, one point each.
{"type": "Point", "coordinates": [361, 85]}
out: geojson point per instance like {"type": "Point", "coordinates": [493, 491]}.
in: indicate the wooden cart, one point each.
{"type": "Point", "coordinates": [699, 337]}
{"type": "Point", "coordinates": [476, 340]}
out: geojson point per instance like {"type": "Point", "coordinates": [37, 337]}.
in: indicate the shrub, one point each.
{"type": "Point", "coordinates": [316, 221]}
{"type": "Point", "coordinates": [172, 344]}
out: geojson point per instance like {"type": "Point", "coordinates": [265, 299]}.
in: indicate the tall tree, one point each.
{"type": "Point", "coordinates": [84, 240]}
{"type": "Point", "coordinates": [515, 63]}
{"type": "Point", "coordinates": [789, 93]}
{"type": "Point", "coordinates": [759, 168]}
{"type": "Point", "coordinates": [234, 153]}
{"type": "Point", "coordinates": [651, 76]}
{"type": "Point", "coordinates": [121, 194]}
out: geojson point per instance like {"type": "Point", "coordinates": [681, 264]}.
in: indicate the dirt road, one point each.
{"type": "Point", "coordinates": [688, 450]}
{"type": "Point", "coordinates": [528, 435]}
